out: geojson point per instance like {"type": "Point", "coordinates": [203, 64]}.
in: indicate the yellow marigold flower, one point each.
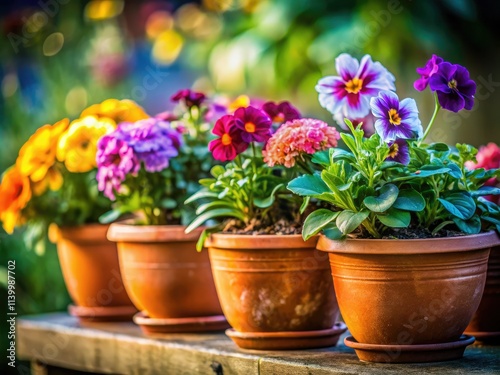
{"type": "Point", "coordinates": [118, 110]}
{"type": "Point", "coordinates": [77, 147]}
{"type": "Point", "coordinates": [38, 154]}
{"type": "Point", "coordinates": [53, 180]}
{"type": "Point", "coordinates": [15, 194]}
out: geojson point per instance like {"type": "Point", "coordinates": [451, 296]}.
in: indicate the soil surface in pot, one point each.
{"type": "Point", "coordinates": [412, 233]}
{"type": "Point", "coordinates": [257, 227]}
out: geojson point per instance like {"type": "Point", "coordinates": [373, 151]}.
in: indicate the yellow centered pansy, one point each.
{"type": "Point", "coordinates": [77, 147]}
{"type": "Point", "coordinates": [37, 157]}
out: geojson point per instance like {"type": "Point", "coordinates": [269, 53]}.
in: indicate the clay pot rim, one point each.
{"type": "Point", "coordinates": [130, 232]}
{"type": "Point", "coordinates": [410, 246]}
{"type": "Point", "coordinates": [260, 242]}
{"type": "Point", "coordinates": [78, 233]}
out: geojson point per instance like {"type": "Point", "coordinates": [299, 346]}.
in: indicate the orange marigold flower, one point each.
{"type": "Point", "coordinates": [297, 137]}
{"type": "Point", "coordinates": [118, 110]}
{"type": "Point", "coordinates": [15, 194]}
{"type": "Point", "coordinates": [37, 156]}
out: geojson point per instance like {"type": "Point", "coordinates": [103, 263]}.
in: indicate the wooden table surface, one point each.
{"type": "Point", "coordinates": [120, 348]}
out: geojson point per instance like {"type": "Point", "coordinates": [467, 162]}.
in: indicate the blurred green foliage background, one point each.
{"type": "Point", "coordinates": [58, 57]}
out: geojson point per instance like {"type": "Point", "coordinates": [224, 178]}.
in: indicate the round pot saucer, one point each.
{"type": "Point", "coordinates": [180, 325]}
{"type": "Point", "coordinates": [486, 337]}
{"type": "Point", "coordinates": [102, 313]}
{"type": "Point", "coordinates": [410, 353]}
{"type": "Point", "coordinates": [287, 340]}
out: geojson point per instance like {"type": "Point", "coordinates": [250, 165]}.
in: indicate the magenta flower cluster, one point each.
{"type": "Point", "coordinates": [148, 144]}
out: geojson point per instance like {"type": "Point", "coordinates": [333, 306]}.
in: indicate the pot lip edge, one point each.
{"type": "Point", "coordinates": [280, 241]}
{"type": "Point", "coordinates": [127, 232]}
{"type": "Point", "coordinates": [351, 246]}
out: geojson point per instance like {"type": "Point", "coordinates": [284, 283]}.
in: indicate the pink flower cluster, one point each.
{"type": "Point", "coordinates": [488, 157]}
{"type": "Point", "coordinates": [297, 137]}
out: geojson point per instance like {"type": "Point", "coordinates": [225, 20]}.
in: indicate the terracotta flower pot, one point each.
{"type": "Point", "coordinates": [485, 324]}
{"type": "Point", "coordinates": [274, 284]}
{"type": "Point", "coordinates": [401, 297]}
{"type": "Point", "coordinates": [90, 268]}
{"type": "Point", "coordinates": [166, 277]}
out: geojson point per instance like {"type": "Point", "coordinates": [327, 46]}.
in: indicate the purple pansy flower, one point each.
{"type": "Point", "coordinates": [154, 142]}
{"type": "Point", "coordinates": [395, 119]}
{"type": "Point", "coordinates": [399, 151]}
{"type": "Point", "coordinates": [455, 89]}
{"type": "Point", "coordinates": [430, 68]}
{"type": "Point", "coordinates": [349, 93]}
{"type": "Point", "coordinates": [115, 159]}
{"type": "Point", "coordinates": [281, 112]}
{"type": "Point", "coordinates": [255, 125]}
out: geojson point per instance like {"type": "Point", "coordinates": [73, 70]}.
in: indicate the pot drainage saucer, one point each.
{"type": "Point", "coordinates": [485, 337]}
{"type": "Point", "coordinates": [287, 340]}
{"type": "Point", "coordinates": [410, 353]}
{"type": "Point", "coordinates": [102, 313]}
{"type": "Point", "coordinates": [180, 325]}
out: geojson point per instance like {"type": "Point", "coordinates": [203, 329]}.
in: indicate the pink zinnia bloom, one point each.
{"type": "Point", "coordinates": [230, 143]}
{"type": "Point", "coordinates": [281, 112]}
{"type": "Point", "coordinates": [255, 125]}
{"type": "Point", "coordinates": [488, 157]}
{"type": "Point", "coordinates": [298, 137]}
{"type": "Point", "coordinates": [358, 81]}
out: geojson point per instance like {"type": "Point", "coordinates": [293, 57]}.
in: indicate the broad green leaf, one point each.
{"type": "Point", "coordinates": [332, 232]}
{"type": "Point", "coordinates": [485, 190]}
{"type": "Point", "coordinates": [316, 221]}
{"type": "Point", "coordinates": [308, 185]}
{"type": "Point", "coordinates": [424, 173]}
{"type": "Point", "coordinates": [214, 204]}
{"type": "Point", "coordinates": [471, 226]}
{"type": "Point", "coordinates": [348, 220]}
{"type": "Point", "coordinates": [395, 218]}
{"type": "Point", "coordinates": [349, 141]}
{"type": "Point", "coordinates": [385, 200]}
{"type": "Point", "coordinates": [212, 214]}
{"type": "Point", "coordinates": [321, 158]}
{"type": "Point", "coordinates": [340, 154]}
{"type": "Point", "coordinates": [440, 147]}
{"type": "Point", "coordinates": [409, 200]}
{"type": "Point", "coordinates": [459, 204]}
{"type": "Point", "coordinates": [268, 201]}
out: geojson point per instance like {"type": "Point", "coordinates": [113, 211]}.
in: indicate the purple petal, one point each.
{"type": "Point", "coordinates": [452, 102]}
{"type": "Point", "coordinates": [378, 107]}
{"type": "Point", "coordinates": [347, 66]}
{"type": "Point", "coordinates": [447, 70]}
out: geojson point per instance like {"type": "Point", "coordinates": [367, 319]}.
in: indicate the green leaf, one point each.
{"type": "Point", "coordinates": [395, 218]}
{"type": "Point", "coordinates": [340, 154]}
{"type": "Point", "coordinates": [440, 147]}
{"type": "Point", "coordinates": [214, 204]}
{"type": "Point", "coordinates": [316, 221]}
{"type": "Point", "coordinates": [217, 170]}
{"type": "Point", "coordinates": [424, 173]}
{"type": "Point", "coordinates": [409, 200]}
{"type": "Point", "coordinates": [268, 201]}
{"type": "Point", "coordinates": [305, 203]}
{"type": "Point", "coordinates": [206, 181]}
{"type": "Point", "coordinates": [110, 216]}
{"type": "Point", "coordinates": [348, 220]}
{"type": "Point", "coordinates": [485, 190]}
{"type": "Point", "coordinates": [459, 204]}
{"type": "Point", "coordinates": [308, 185]}
{"type": "Point", "coordinates": [471, 226]}
{"type": "Point", "coordinates": [321, 158]}
{"type": "Point", "coordinates": [212, 214]}
{"type": "Point", "coordinates": [333, 233]}
{"type": "Point", "coordinates": [387, 197]}
{"type": "Point", "coordinates": [201, 194]}
{"type": "Point", "coordinates": [349, 141]}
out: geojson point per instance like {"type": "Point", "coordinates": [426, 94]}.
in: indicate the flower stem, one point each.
{"type": "Point", "coordinates": [437, 107]}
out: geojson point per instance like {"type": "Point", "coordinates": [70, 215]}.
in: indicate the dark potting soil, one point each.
{"type": "Point", "coordinates": [256, 227]}
{"type": "Point", "coordinates": [416, 233]}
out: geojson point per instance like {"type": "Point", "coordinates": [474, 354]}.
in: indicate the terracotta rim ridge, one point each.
{"type": "Point", "coordinates": [79, 233]}
{"type": "Point", "coordinates": [259, 242]}
{"type": "Point", "coordinates": [410, 246]}
{"type": "Point", "coordinates": [124, 232]}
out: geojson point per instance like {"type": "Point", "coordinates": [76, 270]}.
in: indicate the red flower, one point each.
{"type": "Point", "coordinates": [230, 143]}
{"type": "Point", "coordinates": [281, 112]}
{"type": "Point", "coordinates": [190, 98]}
{"type": "Point", "coordinates": [255, 125]}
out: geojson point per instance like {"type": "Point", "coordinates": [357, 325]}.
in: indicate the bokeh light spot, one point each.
{"type": "Point", "coordinates": [10, 84]}
{"type": "Point", "coordinates": [167, 47]}
{"type": "Point", "coordinates": [76, 100]}
{"type": "Point", "coordinates": [158, 22]}
{"type": "Point", "coordinates": [103, 9]}
{"type": "Point", "coordinates": [53, 44]}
